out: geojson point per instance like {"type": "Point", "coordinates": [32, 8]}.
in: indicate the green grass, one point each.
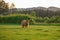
{"type": "Point", "coordinates": [48, 24]}
{"type": "Point", "coordinates": [34, 32]}
{"type": "Point", "coordinates": [39, 24]}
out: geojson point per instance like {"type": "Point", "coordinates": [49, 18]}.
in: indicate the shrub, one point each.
{"type": "Point", "coordinates": [15, 19]}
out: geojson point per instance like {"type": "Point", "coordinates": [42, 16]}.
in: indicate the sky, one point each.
{"type": "Point", "coordinates": [34, 3]}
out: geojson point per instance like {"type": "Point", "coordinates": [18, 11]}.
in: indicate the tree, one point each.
{"type": "Point", "coordinates": [33, 13]}
{"type": "Point", "coordinates": [39, 19]}
{"type": "Point", "coordinates": [46, 20]}
{"type": "Point", "coordinates": [53, 19]}
{"type": "Point", "coordinates": [12, 6]}
{"type": "Point", "coordinates": [4, 7]}
{"type": "Point", "coordinates": [57, 13]}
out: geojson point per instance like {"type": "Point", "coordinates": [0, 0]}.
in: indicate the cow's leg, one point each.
{"type": "Point", "coordinates": [22, 26]}
{"type": "Point", "coordinates": [26, 26]}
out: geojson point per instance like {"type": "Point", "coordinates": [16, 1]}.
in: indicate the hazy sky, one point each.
{"type": "Point", "coordinates": [34, 3]}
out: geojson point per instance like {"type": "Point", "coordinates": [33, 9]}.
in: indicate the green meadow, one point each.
{"type": "Point", "coordinates": [33, 32]}
{"type": "Point", "coordinates": [44, 23]}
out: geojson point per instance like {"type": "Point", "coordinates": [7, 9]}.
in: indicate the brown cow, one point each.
{"type": "Point", "coordinates": [25, 23]}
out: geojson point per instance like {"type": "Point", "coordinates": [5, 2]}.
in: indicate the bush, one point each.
{"type": "Point", "coordinates": [15, 19]}
{"type": "Point", "coordinates": [46, 20]}
{"type": "Point", "coordinates": [55, 19]}
{"type": "Point", "coordinates": [39, 19]}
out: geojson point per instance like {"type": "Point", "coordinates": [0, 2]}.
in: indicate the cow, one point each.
{"type": "Point", "coordinates": [25, 23]}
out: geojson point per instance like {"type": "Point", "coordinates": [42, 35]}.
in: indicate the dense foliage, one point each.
{"type": "Point", "coordinates": [4, 7]}
{"type": "Point", "coordinates": [38, 11]}
{"type": "Point", "coordinates": [17, 18]}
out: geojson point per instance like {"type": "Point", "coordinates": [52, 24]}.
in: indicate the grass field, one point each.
{"type": "Point", "coordinates": [34, 32]}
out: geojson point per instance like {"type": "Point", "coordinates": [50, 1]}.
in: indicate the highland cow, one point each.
{"type": "Point", "coordinates": [25, 23]}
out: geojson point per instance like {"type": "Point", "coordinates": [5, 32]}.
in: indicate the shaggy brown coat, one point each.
{"type": "Point", "coordinates": [25, 23]}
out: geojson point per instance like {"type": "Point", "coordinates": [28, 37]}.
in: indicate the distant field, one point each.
{"type": "Point", "coordinates": [34, 32]}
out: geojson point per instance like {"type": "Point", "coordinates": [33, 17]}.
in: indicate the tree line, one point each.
{"type": "Point", "coordinates": [6, 8]}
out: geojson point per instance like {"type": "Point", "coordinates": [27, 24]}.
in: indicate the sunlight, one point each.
{"type": "Point", "coordinates": [34, 3]}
